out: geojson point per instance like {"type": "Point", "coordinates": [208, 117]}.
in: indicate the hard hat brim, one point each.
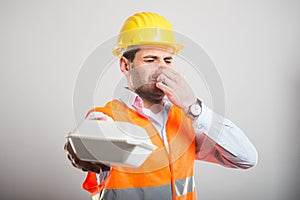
{"type": "Point", "coordinates": [173, 48]}
{"type": "Point", "coordinates": [147, 36]}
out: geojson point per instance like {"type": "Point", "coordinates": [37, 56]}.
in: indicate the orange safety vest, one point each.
{"type": "Point", "coordinates": [165, 174]}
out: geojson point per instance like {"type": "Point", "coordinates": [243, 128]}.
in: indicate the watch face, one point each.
{"type": "Point", "coordinates": [195, 109]}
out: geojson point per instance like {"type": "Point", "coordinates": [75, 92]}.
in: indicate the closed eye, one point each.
{"type": "Point", "coordinates": [149, 60]}
{"type": "Point", "coordinates": [168, 60]}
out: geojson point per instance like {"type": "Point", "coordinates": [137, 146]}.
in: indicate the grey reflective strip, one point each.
{"type": "Point", "coordinates": [184, 186]}
{"type": "Point", "coordinates": [149, 193]}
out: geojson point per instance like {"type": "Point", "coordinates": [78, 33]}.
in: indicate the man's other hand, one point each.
{"type": "Point", "coordinates": [83, 165]}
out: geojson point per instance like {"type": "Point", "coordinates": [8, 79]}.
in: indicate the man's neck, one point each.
{"type": "Point", "coordinates": [153, 107]}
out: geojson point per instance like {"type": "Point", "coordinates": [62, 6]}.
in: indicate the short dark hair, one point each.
{"type": "Point", "coordinates": [130, 54]}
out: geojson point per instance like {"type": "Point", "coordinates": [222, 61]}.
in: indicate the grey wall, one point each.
{"type": "Point", "coordinates": [253, 44]}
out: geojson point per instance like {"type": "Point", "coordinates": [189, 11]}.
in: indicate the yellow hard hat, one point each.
{"type": "Point", "coordinates": [146, 28]}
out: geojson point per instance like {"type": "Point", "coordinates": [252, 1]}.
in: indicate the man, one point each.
{"type": "Point", "coordinates": [160, 100]}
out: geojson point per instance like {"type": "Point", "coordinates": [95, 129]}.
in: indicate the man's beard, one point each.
{"type": "Point", "coordinates": [150, 93]}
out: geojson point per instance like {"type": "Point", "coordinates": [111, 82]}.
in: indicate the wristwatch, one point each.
{"type": "Point", "coordinates": [195, 109]}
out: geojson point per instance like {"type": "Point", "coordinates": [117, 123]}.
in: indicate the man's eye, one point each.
{"type": "Point", "coordinates": [168, 61]}
{"type": "Point", "coordinates": [149, 60]}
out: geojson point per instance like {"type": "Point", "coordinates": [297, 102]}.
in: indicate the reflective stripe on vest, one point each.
{"type": "Point", "coordinates": [184, 186]}
{"type": "Point", "coordinates": [159, 192]}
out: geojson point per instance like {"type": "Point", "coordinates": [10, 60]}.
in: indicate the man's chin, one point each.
{"type": "Point", "coordinates": [156, 92]}
{"type": "Point", "coordinates": [150, 93]}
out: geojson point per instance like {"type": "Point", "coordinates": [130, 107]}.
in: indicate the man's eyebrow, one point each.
{"type": "Point", "coordinates": [150, 56]}
{"type": "Point", "coordinates": [156, 57]}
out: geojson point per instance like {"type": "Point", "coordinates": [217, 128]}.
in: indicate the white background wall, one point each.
{"type": "Point", "coordinates": [253, 44]}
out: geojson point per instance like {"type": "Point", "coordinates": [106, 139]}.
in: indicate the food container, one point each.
{"type": "Point", "coordinates": [111, 143]}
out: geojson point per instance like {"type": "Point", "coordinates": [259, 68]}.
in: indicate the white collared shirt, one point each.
{"type": "Point", "coordinates": [218, 139]}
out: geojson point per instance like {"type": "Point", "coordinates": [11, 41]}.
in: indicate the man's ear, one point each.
{"type": "Point", "coordinates": [124, 65]}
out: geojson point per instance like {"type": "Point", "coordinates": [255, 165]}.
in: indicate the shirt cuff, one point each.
{"type": "Point", "coordinates": [202, 123]}
{"type": "Point", "coordinates": [210, 123]}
